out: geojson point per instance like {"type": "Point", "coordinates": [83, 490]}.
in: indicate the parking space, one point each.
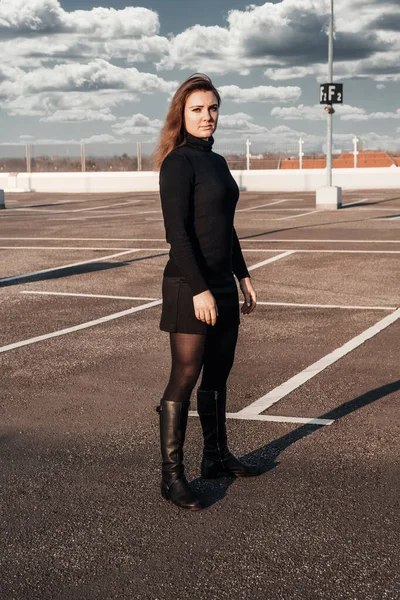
{"type": "Point", "coordinates": [84, 364]}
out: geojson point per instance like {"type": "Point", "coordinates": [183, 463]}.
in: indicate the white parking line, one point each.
{"type": "Point", "coordinates": [273, 418]}
{"type": "Point", "coordinates": [100, 258]}
{"type": "Point", "coordinates": [260, 250]}
{"type": "Point", "coordinates": [293, 383]}
{"type": "Point", "coordinates": [86, 239]}
{"type": "Point", "coordinates": [66, 248]}
{"type": "Point", "coordinates": [279, 240]}
{"type": "Point", "coordinates": [307, 251]}
{"type": "Point", "coordinates": [75, 210]}
{"type": "Point", "coordinates": [88, 217]}
{"type": "Point", "coordinates": [271, 260]}
{"type": "Point", "coordinates": [260, 206]}
{"type": "Point", "coordinates": [296, 216]}
{"type": "Point", "coordinates": [290, 304]}
{"type": "Point", "coordinates": [105, 319]}
{"type": "Point", "coordinates": [88, 295]}
{"type": "Point", "coordinates": [328, 306]}
{"type": "Point", "coordinates": [271, 240]}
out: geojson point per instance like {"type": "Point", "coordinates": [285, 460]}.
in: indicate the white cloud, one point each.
{"type": "Point", "coordinates": [239, 123]}
{"type": "Point", "coordinates": [27, 17]}
{"type": "Point", "coordinates": [346, 112]}
{"type": "Point", "coordinates": [104, 138]}
{"type": "Point", "coordinates": [138, 125]}
{"type": "Point", "coordinates": [289, 39]}
{"type": "Point", "coordinates": [282, 73]}
{"type": "Point", "coordinates": [46, 104]}
{"type": "Point", "coordinates": [76, 115]}
{"type": "Point", "coordinates": [36, 33]}
{"type": "Point", "coordinates": [86, 91]}
{"type": "Point", "coordinates": [19, 16]}
{"type": "Point", "coordinates": [261, 93]}
{"type": "Point", "coordinates": [364, 116]}
{"type": "Point", "coordinates": [98, 74]}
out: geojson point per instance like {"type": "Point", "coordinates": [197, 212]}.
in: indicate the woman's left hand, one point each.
{"type": "Point", "coordinates": [250, 296]}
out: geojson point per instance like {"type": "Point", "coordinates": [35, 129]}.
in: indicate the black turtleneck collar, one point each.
{"type": "Point", "coordinates": [199, 143]}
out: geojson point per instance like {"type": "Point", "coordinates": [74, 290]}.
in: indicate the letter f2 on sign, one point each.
{"type": "Point", "coordinates": [331, 93]}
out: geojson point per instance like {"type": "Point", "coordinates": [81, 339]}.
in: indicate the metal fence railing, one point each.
{"type": "Point", "coordinates": [137, 156]}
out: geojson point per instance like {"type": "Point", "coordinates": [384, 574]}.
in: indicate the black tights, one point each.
{"type": "Point", "coordinates": [215, 352]}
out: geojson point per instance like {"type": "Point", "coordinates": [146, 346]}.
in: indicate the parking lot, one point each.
{"type": "Point", "coordinates": [313, 397]}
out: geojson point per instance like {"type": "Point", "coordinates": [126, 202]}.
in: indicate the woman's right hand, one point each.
{"type": "Point", "coordinates": [205, 307]}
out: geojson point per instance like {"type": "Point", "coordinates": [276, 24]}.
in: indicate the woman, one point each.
{"type": "Point", "coordinates": [200, 297]}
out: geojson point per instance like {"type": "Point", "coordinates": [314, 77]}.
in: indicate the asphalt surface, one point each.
{"type": "Point", "coordinates": [81, 512]}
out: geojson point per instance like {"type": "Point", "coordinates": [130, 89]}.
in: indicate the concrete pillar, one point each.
{"type": "Point", "coordinates": [329, 198]}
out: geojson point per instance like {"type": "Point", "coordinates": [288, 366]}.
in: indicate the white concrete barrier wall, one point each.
{"type": "Point", "coordinates": [147, 181]}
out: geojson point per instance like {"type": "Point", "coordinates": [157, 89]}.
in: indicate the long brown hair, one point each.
{"type": "Point", "coordinates": [173, 132]}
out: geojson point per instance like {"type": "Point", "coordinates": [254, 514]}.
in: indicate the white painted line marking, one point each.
{"type": "Point", "coordinates": [89, 217]}
{"type": "Point", "coordinates": [271, 260]}
{"type": "Point", "coordinates": [293, 383]}
{"type": "Point", "coordinates": [88, 295]}
{"type": "Point", "coordinates": [290, 304]}
{"type": "Point", "coordinates": [67, 248]}
{"type": "Point", "coordinates": [270, 240]}
{"type": "Point", "coordinates": [306, 251]}
{"type": "Point", "coordinates": [100, 258]}
{"type": "Point", "coordinates": [296, 216]}
{"type": "Point", "coordinates": [274, 210]}
{"type": "Point", "coordinates": [273, 418]}
{"type": "Point", "coordinates": [261, 250]}
{"type": "Point", "coordinates": [47, 336]}
{"type": "Point", "coordinates": [86, 239]}
{"type": "Point", "coordinates": [328, 306]}
{"type": "Point", "coordinates": [294, 241]}
{"type": "Point", "coordinates": [260, 206]}
{"type": "Point", "coordinates": [276, 419]}
{"type": "Point", "coordinates": [75, 210]}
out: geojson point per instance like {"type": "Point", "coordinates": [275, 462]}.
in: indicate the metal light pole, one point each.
{"type": "Point", "coordinates": [248, 144]}
{"type": "Point", "coordinates": [330, 115]}
{"type": "Point", "coordinates": [355, 150]}
{"type": "Point", "coordinates": [329, 197]}
{"type": "Point", "coordinates": [301, 153]}
{"type": "Point", "coordinates": [83, 157]}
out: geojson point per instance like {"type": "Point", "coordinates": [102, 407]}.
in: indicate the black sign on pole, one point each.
{"type": "Point", "coordinates": [331, 93]}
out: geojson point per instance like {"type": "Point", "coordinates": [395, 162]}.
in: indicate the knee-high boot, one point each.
{"type": "Point", "coordinates": [174, 486]}
{"type": "Point", "coordinates": [217, 460]}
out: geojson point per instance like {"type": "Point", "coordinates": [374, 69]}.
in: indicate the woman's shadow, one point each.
{"type": "Point", "coordinates": [211, 491]}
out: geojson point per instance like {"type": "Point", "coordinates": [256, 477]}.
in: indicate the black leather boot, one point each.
{"type": "Point", "coordinates": [217, 460]}
{"type": "Point", "coordinates": [174, 486]}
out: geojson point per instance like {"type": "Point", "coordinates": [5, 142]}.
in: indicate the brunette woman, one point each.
{"type": "Point", "coordinates": [200, 298]}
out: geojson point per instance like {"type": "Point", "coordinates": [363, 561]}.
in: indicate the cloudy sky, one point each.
{"type": "Point", "coordinates": [105, 72]}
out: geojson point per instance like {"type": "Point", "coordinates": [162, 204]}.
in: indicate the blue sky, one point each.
{"type": "Point", "coordinates": [104, 72]}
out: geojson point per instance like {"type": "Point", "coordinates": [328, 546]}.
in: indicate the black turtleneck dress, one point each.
{"type": "Point", "coordinates": [198, 198]}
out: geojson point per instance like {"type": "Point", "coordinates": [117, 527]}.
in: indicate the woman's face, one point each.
{"type": "Point", "coordinates": [201, 113]}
